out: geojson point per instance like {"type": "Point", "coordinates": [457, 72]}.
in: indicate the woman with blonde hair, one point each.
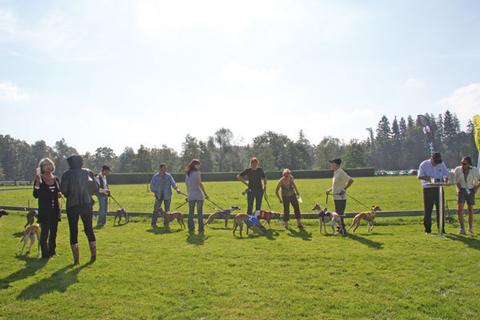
{"type": "Point", "coordinates": [47, 190]}
{"type": "Point", "coordinates": [289, 196]}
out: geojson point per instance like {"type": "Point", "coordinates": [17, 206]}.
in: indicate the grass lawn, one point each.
{"type": "Point", "coordinates": [396, 272]}
{"type": "Point", "coordinates": [391, 193]}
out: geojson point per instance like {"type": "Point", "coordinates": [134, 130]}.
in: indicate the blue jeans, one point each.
{"type": "Point", "coordinates": [102, 211]}
{"type": "Point", "coordinates": [158, 204]}
{"type": "Point", "coordinates": [191, 224]}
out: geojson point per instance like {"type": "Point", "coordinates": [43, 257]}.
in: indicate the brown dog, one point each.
{"type": "Point", "coordinates": [268, 215]}
{"type": "Point", "coordinates": [369, 216]}
{"type": "Point", "coordinates": [170, 216]}
{"type": "Point", "coordinates": [31, 233]}
{"type": "Point", "coordinates": [250, 221]}
{"type": "Point", "coordinates": [31, 215]}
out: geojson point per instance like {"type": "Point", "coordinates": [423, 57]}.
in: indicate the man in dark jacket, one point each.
{"type": "Point", "coordinates": [78, 185]}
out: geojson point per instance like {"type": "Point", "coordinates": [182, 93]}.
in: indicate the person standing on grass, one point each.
{"type": "Point", "coordinates": [47, 190]}
{"type": "Point", "coordinates": [340, 183]}
{"type": "Point", "coordinates": [78, 185]}
{"type": "Point", "coordinates": [289, 196]}
{"type": "Point", "coordinates": [161, 186]}
{"type": "Point", "coordinates": [102, 196]}
{"type": "Point", "coordinates": [254, 176]}
{"type": "Point", "coordinates": [436, 170]}
{"type": "Point", "coordinates": [467, 182]}
{"type": "Point", "coordinates": [196, 194]}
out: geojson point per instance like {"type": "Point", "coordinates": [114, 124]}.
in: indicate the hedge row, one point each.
{"type": "Point", "coordinates": [139, 178]}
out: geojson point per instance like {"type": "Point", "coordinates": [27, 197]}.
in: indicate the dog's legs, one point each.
{"type": "Point", "coordinates": [235, 225]}
{"type": "Point", "coordinates": [333, 226]}
{"type": "Point", "coordinates": [226, 223]}
{"type": "Point", "coordinates": [23, 247]}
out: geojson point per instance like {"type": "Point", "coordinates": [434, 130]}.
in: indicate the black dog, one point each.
{"type": "Point", "coordinates": [119, 214]}
{"type": "Point", "coordinates": [3, 213]}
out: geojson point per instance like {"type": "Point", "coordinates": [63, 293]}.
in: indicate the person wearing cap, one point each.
{"type": "Point", "coordinates": [432, 170]}
{"type": "Point", "coordinates": [102, 195]}
{"type": "Point", "coordinates": [467, 180]}
{"type": "Point", "coordinates": [340, 183]}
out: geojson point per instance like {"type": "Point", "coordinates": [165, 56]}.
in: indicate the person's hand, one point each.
{"type": "Point", "coordinates": [178, 191]}
{"type": "Point", "coordinates": [328, 191]}
{"type": "Point", "coordinates": [342, 192]}
{"type": "Point", "coordinates": [37, 180]}
{"type": "Point", "coordinates": [207, 197]}
{"type": "Point", "coordinates": [280, 200]}
{"type": "Point", "coordinates": [108, 193]}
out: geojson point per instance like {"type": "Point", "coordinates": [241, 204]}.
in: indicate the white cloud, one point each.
{"type": "Point", "coordinates": [10, 92]}
{"type": "Point", "coordinates": [414, 84]}
{"type": "Point", "coordinates": [464, 101]}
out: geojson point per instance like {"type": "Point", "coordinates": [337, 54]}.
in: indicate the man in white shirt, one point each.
{"type": "Point", "coordinates": [340, 183]}
{"type": "Point", "coordinates": [103, 194]}
{"type": "Point", "coordinates": [432, 170]}
{"type": "Point", "coordinates": [467, 181]}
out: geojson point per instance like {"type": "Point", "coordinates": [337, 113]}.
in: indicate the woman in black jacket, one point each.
{"type": "Point", "coordinates": [47, 190]}
{"type": "Point", "coordinates": [78, 185]}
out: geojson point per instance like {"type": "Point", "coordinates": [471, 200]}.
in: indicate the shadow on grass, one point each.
{"type": "Point", "coordinates": [471, 242]}
{"type": "Point", "coordinates": [32, 265]}
{"type": "Point", "coordinates": [270, 234]}
{"type": "Point", "coordinates": [367, 242]}
{"type": "Point", "coordinates": [120, 224]}
{"type": "Point", "coordinates": [59, 281]}
{"type": "Point", "coordinates": [196, 239]}
{"type": "Point", "coordinates": [163, 230]}
{"type": "Point", "coordinates": [17, 234]}
{"type": "Point", "coordinates": [302, 234]}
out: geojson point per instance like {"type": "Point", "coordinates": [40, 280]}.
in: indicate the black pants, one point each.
{"type": "Point", "coordinates": [84, 212]}
{"type": "Point", "coordinates": [430, 198]}
{"type": "Point", "coordinates": [256, 195]}
{"type": "Point", "coordinates": [287, 200]}
{"type": "Point", "coordinates": [48, 238]}
{"type": "Point", "coordinates": [340, 206]}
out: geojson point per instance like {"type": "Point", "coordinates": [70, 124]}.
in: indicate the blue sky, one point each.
{"type": "Point", "coordinates": [121, 73]}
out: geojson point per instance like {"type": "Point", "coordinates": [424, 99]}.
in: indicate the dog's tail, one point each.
{"type": "Point", "coordinates": [210, 219]}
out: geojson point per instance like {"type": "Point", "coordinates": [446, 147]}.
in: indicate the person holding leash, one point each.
{"type": "Point", "coordinates": [78, 185]}
{"type": "Point", "coordinates": [254, 176]}
{"type": "Point", "coordinates": [47, 190]}
{"type": "Point", "coordinates": [102, 196]}
{"type": "Point", "coordinates": [340, 183]}
{"type": "Point", "coordinates": [161, 185]}
{"type": "Point", "coordinates": [289, 196]}
{"type": "Point", "coordinates": [196, 194]}
{"type": "Point", "coordinates": [467, 182]}
{"type": "Point", "coordinates": [433, 169]}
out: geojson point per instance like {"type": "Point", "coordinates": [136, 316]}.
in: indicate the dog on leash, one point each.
{"type": "Point", "coordinates": [3, 213]}
{"type": "Point", "coordinates": [31, 215]}
{"type": "Point", "coordinates": [250, 221]}
{"type": "Point", "coordinates": [268, 215]}
{"type": "Point", "coordinates": [170, 216]}
{"type": "Point", "coordinates": [222, 214]}
{"type": "Point", "coordinates": [329, 216]}
{"type": "Point", "coordinates": [121, 213]}
{"type": "Point", "coordinates": [368, 216]}
{"type": "Point", "coordinates": [31, 234]}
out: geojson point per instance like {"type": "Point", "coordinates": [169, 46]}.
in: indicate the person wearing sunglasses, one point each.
{"type": "Point", "coordinates": [467, 182]}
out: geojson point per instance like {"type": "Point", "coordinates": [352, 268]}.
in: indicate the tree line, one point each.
{"type": "Point", "coordinates": [392, 145]}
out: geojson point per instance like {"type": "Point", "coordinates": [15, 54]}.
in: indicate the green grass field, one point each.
{"type": "Point", "coordinates": [390, 193]}
{"type": "Point", "coordinates": [395, 272]}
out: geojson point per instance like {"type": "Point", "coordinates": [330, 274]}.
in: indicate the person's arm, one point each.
{"type": "Point", "coordinates": [153, 184]}
{"type": "Point", "coordinates": [295, 187]}
{"type": "Point", "coordinates": [422, 175]}
{"type": "Point", "coordinates": [264, 181]}
{"type": "Point", "coordinates": [174, 184]}
{"type": "Point", "coordinates": [36, 187]}
{"type": "Point", "coordinates": [200, 184]}
{"type": "Point", "coordinates": [349, 183]}
{"type": "Point", "coordinates": [65, 185]}
{"type": "Point", "coordinates": [240, 177]}
{"type": "Point", "coordinates": [278, 189]}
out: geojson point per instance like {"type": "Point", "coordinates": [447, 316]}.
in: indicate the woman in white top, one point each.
{"type": "Point", "coordinates": [468, 182]}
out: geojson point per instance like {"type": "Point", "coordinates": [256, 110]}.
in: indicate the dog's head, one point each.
{"type": "Point", "coordinates": [235, 208]}
{"type": "Point", "coordinates": [317, 207]}
{"type": "Point", "coordinates": [160, 211]}
{"type": "Point", "coordinates": [3, 213]}
{"type": "Point", "coordinates": [122, 212]}
{"type": "Point", "coordinates": [376, 209]}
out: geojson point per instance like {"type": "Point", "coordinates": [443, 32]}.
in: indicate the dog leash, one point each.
{"type": "Point", "coordinates": [186, 201]}
{"type": "Point", "coordinates": [266, 200]}
{"type": "Point", "coordinates": [115, 200]}
{"type": "Point", "coordinates": [213, 203]}
{"type": "Point", "coordinates": [359, 202]}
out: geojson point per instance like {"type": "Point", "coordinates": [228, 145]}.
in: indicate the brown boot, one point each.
{"type": "Point", "coordinates": [76, 254]}
{"type": "Point", "coordinates": [93, 251]}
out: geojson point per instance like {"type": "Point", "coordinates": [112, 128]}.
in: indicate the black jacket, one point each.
{"type": "Point", "coordinates": [78, 184]}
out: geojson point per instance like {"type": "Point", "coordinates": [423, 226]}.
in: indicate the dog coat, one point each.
{"type": "Point", "coordinates": [252, 221]}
